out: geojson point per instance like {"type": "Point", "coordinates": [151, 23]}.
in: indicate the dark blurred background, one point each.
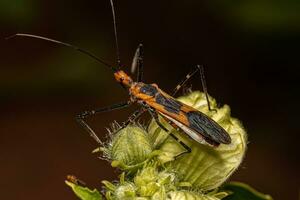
{"type": "Point", "coordinates": [250, 50]}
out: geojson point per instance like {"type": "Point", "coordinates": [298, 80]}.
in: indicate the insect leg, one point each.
{"type": "Point", "coordinates": [132, 118]}
{"type": "Point", "coordinates": [137, 62]}
{"type": "Point", "coordinates": [155, 117]}
{"type": "Point", "coordinates": [186, 147]}
{"type": "Point", "coordinates": [201, 69]}
{"type": "Point", "coordinates": [80, 118]}
{"type": "Point", "coordinates": [186, 78]}
{"type": "Point", "coordinates": [203, 82]}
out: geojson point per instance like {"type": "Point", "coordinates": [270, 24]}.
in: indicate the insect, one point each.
{"type": "Point", "coordinates": [75, 180]}
{"type": "Point", "coordinates": [192, 122]}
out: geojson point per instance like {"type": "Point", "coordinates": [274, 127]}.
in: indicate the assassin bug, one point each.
{"type": "Point", "coordinates": [194, 123]}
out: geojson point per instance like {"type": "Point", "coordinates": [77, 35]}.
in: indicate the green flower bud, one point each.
{"type": "Point", "coordinates": [152, 182]}
{"type": "Point", "coordinates": [125, 191]}
{"type": "Point", "coordinates": [128, 147]}
{"type": "Point", "coordinates": [205, 167]}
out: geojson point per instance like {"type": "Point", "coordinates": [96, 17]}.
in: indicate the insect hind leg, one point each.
{"type": "Point", "coordinates": [186, 147]}
{"type": "Point", "coordinates": [203, 82]}
{"type": "Point", "coordinates": [204, 86]}
{"type": "Point", "coordinates": [183, 82]}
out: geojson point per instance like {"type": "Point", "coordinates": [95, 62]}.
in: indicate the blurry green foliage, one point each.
{"type": "Point", "coordinates": [260, 15]}
{"type": "Point", "coordinates": [18, 12]}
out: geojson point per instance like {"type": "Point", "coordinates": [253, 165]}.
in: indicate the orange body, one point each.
{"type": "Point", "coordinates": [151, 101]}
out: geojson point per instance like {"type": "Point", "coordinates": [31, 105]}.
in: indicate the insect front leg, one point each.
{"type": "Point", "coordinates": [186, 147]}
{"type": "Point", "coordinates": [132, 118]}
{"type": "Point", "coordinates": [80, 118]}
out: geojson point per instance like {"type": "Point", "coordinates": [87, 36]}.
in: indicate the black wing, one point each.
{"type": "Point", "coordinates": [207, 127]}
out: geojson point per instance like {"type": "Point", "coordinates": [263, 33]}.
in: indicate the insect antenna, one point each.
{"type": "Point", "coordinates": [115, 33]}
{"type": "Point", "coordinates": [64, 44]}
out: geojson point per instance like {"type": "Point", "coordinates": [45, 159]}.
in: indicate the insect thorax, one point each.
{"type": "Point", "coordinates": [143, 91]}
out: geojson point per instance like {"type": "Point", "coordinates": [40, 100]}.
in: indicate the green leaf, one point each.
{"type": "Point", "coordinates": [84, 193]}
{"type": "Point", "coordinates": [242, 191]}
{"type": "Point", "coordinates": [109, 185]}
